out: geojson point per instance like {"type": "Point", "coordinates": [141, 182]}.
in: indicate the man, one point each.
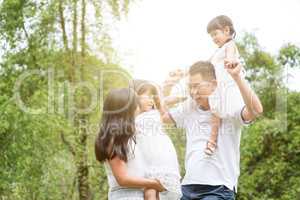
{"type": "Point", "coordinates": [211, 177]}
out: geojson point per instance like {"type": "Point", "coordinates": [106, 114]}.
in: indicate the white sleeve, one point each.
{"type": "Point", "coordinates": [226, 99]}
{"type": "Point", "coordinates": [179, 113]}
{"type": "Point", "coordinates": [238, 117]}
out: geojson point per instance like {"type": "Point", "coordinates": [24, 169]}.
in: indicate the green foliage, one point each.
{"type": "Point", "coordinates": [271, 157]}
{"type": "Point", "coordinates": [290, 55]}
{"type": "Point", "coordinates": [270, 147]}
{"type": "Point", "coordinates": [42, 153]}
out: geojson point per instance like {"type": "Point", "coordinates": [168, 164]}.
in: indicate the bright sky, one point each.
{"type": "Point", "coordinates": [161, 35]}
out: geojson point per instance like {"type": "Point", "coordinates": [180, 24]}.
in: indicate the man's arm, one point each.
{"type": "Point", "coordinates": [253, 107]}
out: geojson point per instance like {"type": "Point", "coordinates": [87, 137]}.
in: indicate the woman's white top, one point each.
{"type": "Point", "coordinates": [135, 167]}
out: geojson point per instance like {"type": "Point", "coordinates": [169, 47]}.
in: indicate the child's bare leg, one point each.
{"type": "Point", "coordinates": [150, 194]}
{"type": "Point", "coordinates": [157, 195]}
{"type": "Point", "coordinates": [215, 123]}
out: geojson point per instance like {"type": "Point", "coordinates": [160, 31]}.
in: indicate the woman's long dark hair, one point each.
{"type": "Point", "coordinates": [117, 128]}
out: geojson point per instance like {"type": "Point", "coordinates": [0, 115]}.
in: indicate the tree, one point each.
{"type": "Point", "coordinates": [48, 41]}
{"type": "Point", "coordinates": [270, 147]}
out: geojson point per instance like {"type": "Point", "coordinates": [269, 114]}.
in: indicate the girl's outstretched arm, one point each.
{"type": "Point", "coordinates": [173, 78]}
{"type": "Point", "coordinates": [119, 169]}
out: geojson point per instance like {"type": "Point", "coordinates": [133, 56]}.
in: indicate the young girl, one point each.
{"type": "Point", "coordinates": [227, 96]}
{"type": "Point", "coordinates": [156, 147]}
{"type": "Point", "coordinates": [115, 146]}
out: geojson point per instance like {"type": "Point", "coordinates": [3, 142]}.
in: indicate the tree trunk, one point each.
{"type": "Point", "coordinates": [75, 38]}
{"type": "Point", "coordinates": [62, 24]}
{"type": "Point", "coordinates": [83, 169]}
{"type": "Point", "coordinates": [82, 165]}
{"type": "Point", "coordinates": [83, 28]}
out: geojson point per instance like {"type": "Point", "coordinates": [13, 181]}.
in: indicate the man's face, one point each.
{"type": "Point", "coordinates": [200, 88]}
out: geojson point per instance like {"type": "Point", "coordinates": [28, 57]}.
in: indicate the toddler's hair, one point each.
{"type": "Point", "coordinates": [220, 22]}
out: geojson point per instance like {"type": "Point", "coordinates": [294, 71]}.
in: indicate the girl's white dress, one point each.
{"type": "Point", "coordinates": [158, 153]}
{"type": "Point", "coordinates": [226, 99]}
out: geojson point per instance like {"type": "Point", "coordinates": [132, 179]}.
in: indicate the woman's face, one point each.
{"type": "Point", "coordinates": [146, 101]}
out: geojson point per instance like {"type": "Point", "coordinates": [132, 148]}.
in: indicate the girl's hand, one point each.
{"type": "Point", "coordinates": [178, 73]}
{"type": "Point", "coordinates": [173, 100]}
{"type": "Point", "coordinates": [234, 69]}
{"type": "Point", "coordinates": [230, 63]}
{"type": "Point", "coordinates": [173, 78]}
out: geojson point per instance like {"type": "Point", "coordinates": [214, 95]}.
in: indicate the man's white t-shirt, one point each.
{"type": "Point", "coordinates": [223, 168]}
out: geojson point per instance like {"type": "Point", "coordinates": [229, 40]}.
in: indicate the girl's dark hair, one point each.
{"type": "Point", "coordinates": [117, 128]}
{"type": "Point", "coordinates": [141, 86]}
{"type": "Point", "coordinates": [220, 22]}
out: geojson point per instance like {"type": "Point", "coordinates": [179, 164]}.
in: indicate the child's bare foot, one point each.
{"type": "Point", "coordinates": [211, 147]}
